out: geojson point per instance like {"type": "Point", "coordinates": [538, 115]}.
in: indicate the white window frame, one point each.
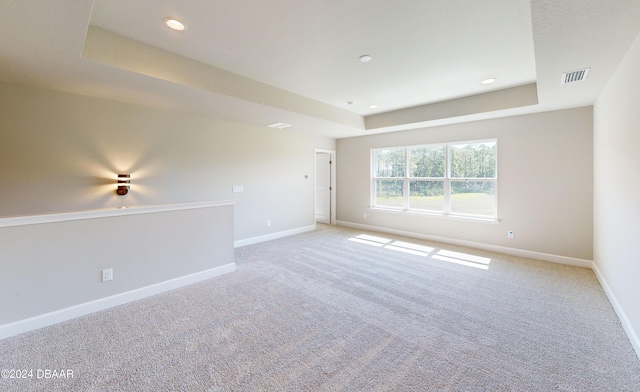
{"type": "Point", "coordinates": [447, 180]}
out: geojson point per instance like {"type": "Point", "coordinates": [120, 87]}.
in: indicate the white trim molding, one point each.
{"type": "Point", "coordinates": [477, 245]}
{"type": "Point", "coordinates": [626, 324]}
{"type": "Point", "coordinates": [58, 316]}
{"type": "Point", "coordinates": [272, 236]}
{"type": "Point", "coordinates": [106, 212]}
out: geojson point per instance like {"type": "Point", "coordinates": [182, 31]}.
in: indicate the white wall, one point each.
{"type": "Point", "coordinates": [545, 183]}
{"type": "Point", "coordinates": [61, 152]}
{"type": "Point", "coordinates": [617, 190]}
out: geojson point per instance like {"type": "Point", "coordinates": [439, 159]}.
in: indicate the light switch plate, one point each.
{"type": "Point", "coordinates": [238, 188]}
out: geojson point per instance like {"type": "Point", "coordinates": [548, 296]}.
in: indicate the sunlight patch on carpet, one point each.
{"type": "Point", "coordinates": [424, 251]}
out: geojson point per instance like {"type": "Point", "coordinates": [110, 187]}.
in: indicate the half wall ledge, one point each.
{"type": "Point", "coordinates": [106, 212]}
{"type": "Point", "coordinates": [61, 266]}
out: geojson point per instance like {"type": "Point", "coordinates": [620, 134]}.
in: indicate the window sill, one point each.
{"type": "Point", "coordinates": [461, 218]}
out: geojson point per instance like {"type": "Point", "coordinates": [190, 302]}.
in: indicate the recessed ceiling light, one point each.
{"type": "Point", "coordinates": [174, 24]}
{"type": "Point", "coordinates": [373, 106]}
{"type": "Point", "coordinates": [280, 125]}
{"type": "Point", "coordinates": [489, 81]}
{"type": "Point", "coordinates": [365, 58]}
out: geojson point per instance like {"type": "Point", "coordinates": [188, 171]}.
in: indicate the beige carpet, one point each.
{"type": "Point", "coordinates": [334, 310]}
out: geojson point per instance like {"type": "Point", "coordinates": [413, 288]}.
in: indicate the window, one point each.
{"type": "Point", "coordinates": [451, 179]}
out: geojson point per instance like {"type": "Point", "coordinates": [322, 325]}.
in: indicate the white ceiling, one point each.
{"type": "Point", "coordinates": [297, 62]}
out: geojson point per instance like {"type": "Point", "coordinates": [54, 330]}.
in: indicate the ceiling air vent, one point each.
{"type": "Point", "coordinates": [575, 76]}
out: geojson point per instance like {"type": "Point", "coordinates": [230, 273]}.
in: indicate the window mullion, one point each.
{"type": "Point", "coordinates": [405, 188]}
{"type": "Point", "coordinates": [447, 196]}
{"type": "Point", "coordinates": [447, 182]}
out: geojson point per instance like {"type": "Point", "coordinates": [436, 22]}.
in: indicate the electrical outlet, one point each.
{"type": "Point", "coordinates": [510, 234]}
{"type": "Point", "coordinates": [238, 188]}
{"type": "Point", "coordinates": [107, 274]}
{"type": "Point", "coordinates": [364, 215]}
{"type": "Point", "coordinates": [268, 223]}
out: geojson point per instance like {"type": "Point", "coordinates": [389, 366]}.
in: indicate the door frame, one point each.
{"type": "Point", "coordinates": [332, 192]}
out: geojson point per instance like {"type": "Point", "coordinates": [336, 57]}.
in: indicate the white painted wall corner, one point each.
{"type": "Point", "coordinates": [624, 320]}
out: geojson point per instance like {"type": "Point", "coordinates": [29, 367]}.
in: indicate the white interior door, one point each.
{"type": "Point", "coordinates": [323, 187]}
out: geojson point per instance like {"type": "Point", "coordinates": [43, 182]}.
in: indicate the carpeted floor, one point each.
{"type": "Point", "coordinates": [341, 310]}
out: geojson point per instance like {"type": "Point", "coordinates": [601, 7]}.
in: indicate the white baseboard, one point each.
{"type": "Point", "coordinates": [477, 245]}
{"type": "Point", "coordinates": [622, 316]}
{"type": "Point", "coordinates": [58, 316]}
{"type": "Point", "coordinates": [273, 236]}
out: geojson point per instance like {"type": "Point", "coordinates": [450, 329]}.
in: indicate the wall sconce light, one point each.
{"type": "Point", "coordinates": [124, 181]}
